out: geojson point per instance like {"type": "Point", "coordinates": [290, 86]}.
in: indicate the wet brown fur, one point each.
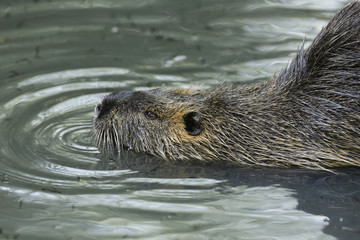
{"type": "Point", "coordinates": [308, 116]}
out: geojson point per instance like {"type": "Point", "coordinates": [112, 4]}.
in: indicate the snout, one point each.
{"type": "Point", "coordinates": [109, 102]}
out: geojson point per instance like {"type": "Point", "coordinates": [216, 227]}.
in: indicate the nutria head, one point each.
{"type": "Point", "coordinates": [160, 122]}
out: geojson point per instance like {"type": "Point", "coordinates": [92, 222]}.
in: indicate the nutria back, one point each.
{"type": "Point", "coordinates": [308, 116]}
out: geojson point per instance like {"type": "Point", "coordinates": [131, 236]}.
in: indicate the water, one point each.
{"type": "Point", "coordinates": [59, 58]}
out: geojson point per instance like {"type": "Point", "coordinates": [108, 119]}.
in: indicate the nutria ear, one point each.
{"type": "Point", "coordinates": [192, 123]}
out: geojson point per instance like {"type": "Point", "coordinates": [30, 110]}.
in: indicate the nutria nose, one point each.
{"type": "Point", "coordinates": [103, 108]}
{"type": "Point", "coordinates": [98, 109]}
{"type": "Point", "coordinates": [109, 101]}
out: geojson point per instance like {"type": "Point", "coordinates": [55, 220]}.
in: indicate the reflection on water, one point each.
{"type": "Point", "coordinates": [59, 58]}
{"type": "Point", "coordinates": [173, 213]}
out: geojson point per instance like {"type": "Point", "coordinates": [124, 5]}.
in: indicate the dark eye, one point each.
{"type": "Point", "coordinates": [150, 115]}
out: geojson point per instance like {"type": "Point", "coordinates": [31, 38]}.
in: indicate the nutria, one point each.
{"type": "Point", "coordinates": [308, 116]}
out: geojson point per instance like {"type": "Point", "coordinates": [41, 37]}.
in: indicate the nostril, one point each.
{"type": "Point", "coordinates": [98, 108]}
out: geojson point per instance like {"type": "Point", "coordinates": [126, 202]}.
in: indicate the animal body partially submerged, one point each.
{"type": "Point", "coordinates": [308, 116]}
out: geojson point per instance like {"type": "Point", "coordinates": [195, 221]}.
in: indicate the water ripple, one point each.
{"type": "Point", "coordinates": [56, 132]}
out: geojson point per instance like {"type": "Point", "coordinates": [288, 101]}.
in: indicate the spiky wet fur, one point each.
{"type": "Point", "coordinates": [308, 116]}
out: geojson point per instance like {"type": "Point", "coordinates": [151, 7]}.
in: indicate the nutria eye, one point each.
{"type": "Point", "coordinates": [150, 115]}
{"type": "Point", "coordinates": [192, 122]}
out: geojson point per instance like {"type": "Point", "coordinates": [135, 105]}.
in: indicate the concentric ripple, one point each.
{"type": "Point", "coordinates": [48, 124]}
